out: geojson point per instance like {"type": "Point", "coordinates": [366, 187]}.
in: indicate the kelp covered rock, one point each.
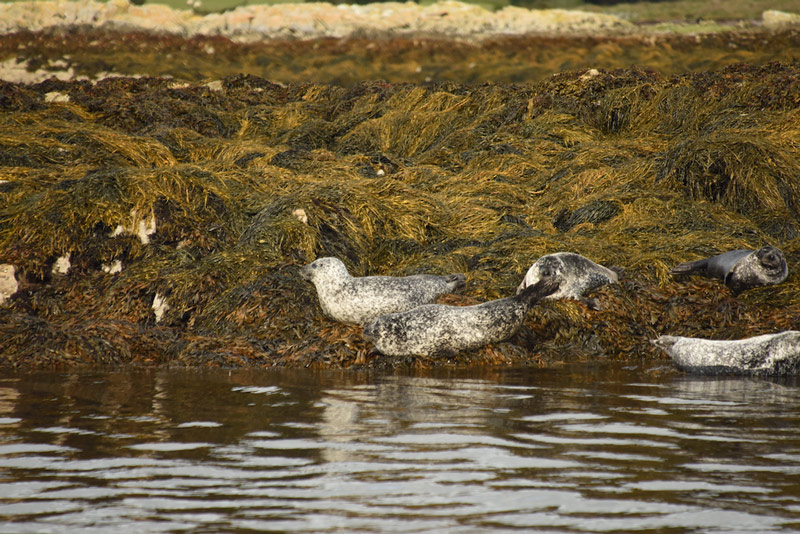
{"type": "Point", "coordinates": [238, 183]}
{"type": "Point", "coordinates": [94, 53]}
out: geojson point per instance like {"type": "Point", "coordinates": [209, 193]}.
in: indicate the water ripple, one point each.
{"type": "Point", "coordinates": [402, 454]}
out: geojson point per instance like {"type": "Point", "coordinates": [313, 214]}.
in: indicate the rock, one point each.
{"type": "Point", "coordinates": [62, 264]}
{"type": "Point", "coordinates": [8, 282]}
{"type": "Point", "coordinates": [160, 306]}
{"type": "Point", "coordinates": [778, 19]}
{"type": "Point", "coordinates": [112, 268]}
{"type": "Point", "coordinates": [139, 226]}
{"type": "Point", "coordinates": [307, 21]}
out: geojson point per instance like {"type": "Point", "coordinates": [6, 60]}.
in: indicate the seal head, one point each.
{"type": "Point", "coordinates": [577, 275]}
{"type": "Point", "coordinates": [442, 330]}
{"type": "Point", "coordinates": [740, 270]}
{"type": "Point", "coordinates": [359, 299]}
{"type": "Point", "coordinates": [768, 354]}
{"type": "Point", "coordinates": [764, 267]}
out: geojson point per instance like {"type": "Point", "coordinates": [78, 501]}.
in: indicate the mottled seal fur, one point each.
{"type": "Point", "coordinates": [359, 299]}
{"type": "Point", "coordinates": [441, 330]}
{"type": "Point", "coordinates": [576, 274]}
{"type": "Point", "coordinates": [741, 269]}
{"type": "Point", "coordinates": [769, 354]}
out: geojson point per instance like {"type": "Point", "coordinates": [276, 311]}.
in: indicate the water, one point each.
{"type": "Point", "coordinates": [580, 449]}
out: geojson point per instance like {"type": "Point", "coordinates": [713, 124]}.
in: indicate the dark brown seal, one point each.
{"type": "Point", "coordinates": [741, 269]}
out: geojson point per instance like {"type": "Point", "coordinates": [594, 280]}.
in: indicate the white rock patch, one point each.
{"type": "Point", "coordinates": [112, 268]}
{"type": "Point", "coordinates": [55, 96]}
{"type": "Point", "coordinates": [62, 264]}
{"type": "Point", "coordinates": [301, 216]}
{"type": "Point", "coordinates": [8, 282]}
{"type": "Point", "coordinates": [778, 19]}
{"type": "Point", "coordinates": [160, 306]}
{"type": "Point", "coordinates": [139, 226]}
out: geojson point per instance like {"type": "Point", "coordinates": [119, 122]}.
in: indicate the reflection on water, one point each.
{"type": "Point", "coordinates": [572, 450]}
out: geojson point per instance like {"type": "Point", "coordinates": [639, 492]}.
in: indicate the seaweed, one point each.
{"type": "Point", "coordinates": [596, 212]}
{"type": "Point", "coordinates": [94, 53]}
{"type": "Point", "coordinates": [208, 199]}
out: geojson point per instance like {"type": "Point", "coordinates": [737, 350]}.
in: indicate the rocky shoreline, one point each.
{"type": "Point", "coordinates": [445, 19]}
{"type": "Point", "coordinates": [307, 21]}
{"type": "Point", "coordinates": [159, 191]}
{"type": "Point", "coordinates": [348, 44]}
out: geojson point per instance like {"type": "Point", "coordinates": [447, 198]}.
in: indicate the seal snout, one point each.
{"type": "Point", "coordinates": [457, 281]}
{"type": "Point", "coordinates": [305, 272]}
{"type": "Point", "coordinates": [369, 332]}
{"type": "Point", "coordinates": [770, 257]}
{"type": "Point", "coordinates": [664, 343]}
{"type": "Point", "coordinates": [311, 271]}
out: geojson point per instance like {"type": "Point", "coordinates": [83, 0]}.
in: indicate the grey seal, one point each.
{"type": "Point", "coordinates": [356, 300]}
{"type": "Point", "coordinates": [577, 275]}
{"type": "Point", "coordinates": [442, 330]}
{"type": "Point", "coordinates": [768, 354]}
{"type": "Point", "coordinates": [740, 269]}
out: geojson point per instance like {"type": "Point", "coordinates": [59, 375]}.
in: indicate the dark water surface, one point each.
{"type": "Point", "coordinates": [580, 449]}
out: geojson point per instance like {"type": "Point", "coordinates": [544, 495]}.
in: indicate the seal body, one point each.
{"type": "Point", "coordinates": [438, 329]}
{"type": "Point", "coordinates": [768, 354]}
{"type": "Point", "coordinates": [741, 269]}
{"type": "Point", "coordinates": [576, 274]}
{"type": "Point", "coordinates": [358, 299]}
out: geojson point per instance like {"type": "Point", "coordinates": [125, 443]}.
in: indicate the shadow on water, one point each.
{"type": "Point", "coordinates": [573, 449]}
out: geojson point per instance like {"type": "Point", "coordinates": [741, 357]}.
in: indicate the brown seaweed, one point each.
{"type": "Point", "coordinates": [244, 181]}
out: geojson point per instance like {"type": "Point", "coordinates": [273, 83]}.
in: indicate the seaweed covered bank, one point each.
{"type": "Point", "coordinates": [154, 222]}
{"type": "Point", "coordinates": [393, 42]}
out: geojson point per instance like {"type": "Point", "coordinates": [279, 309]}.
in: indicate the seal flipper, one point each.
{"type": "Point", "coordinates": [591, 303]}
{"type": "Point", "coordinates": [532, 294]}
{"type": "Point", "coordinates": [691, 267]}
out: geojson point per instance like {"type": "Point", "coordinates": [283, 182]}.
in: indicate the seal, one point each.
{"type": "Point", "coordinates": [577, 275]}
{"type": "Point", "coordinates": [357, 300]}
{"type": "Point", "coordinates": [768, 354]}
{"type": "Point", "coordinates": [740, 269]}
{"type": "Point", "coordinates": [442, 330]}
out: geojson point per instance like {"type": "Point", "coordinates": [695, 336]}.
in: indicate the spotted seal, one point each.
{"type": "Point", "coordinates": [740, 269]}
{"type": "Point", "coordinates": [442, 330]}
{"type": "Point", "coordinates": [768, 354]}
{"type": "Point", "coordinates": [356, 300]}
{"type": "Point", "coordinates": [576, 274]}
